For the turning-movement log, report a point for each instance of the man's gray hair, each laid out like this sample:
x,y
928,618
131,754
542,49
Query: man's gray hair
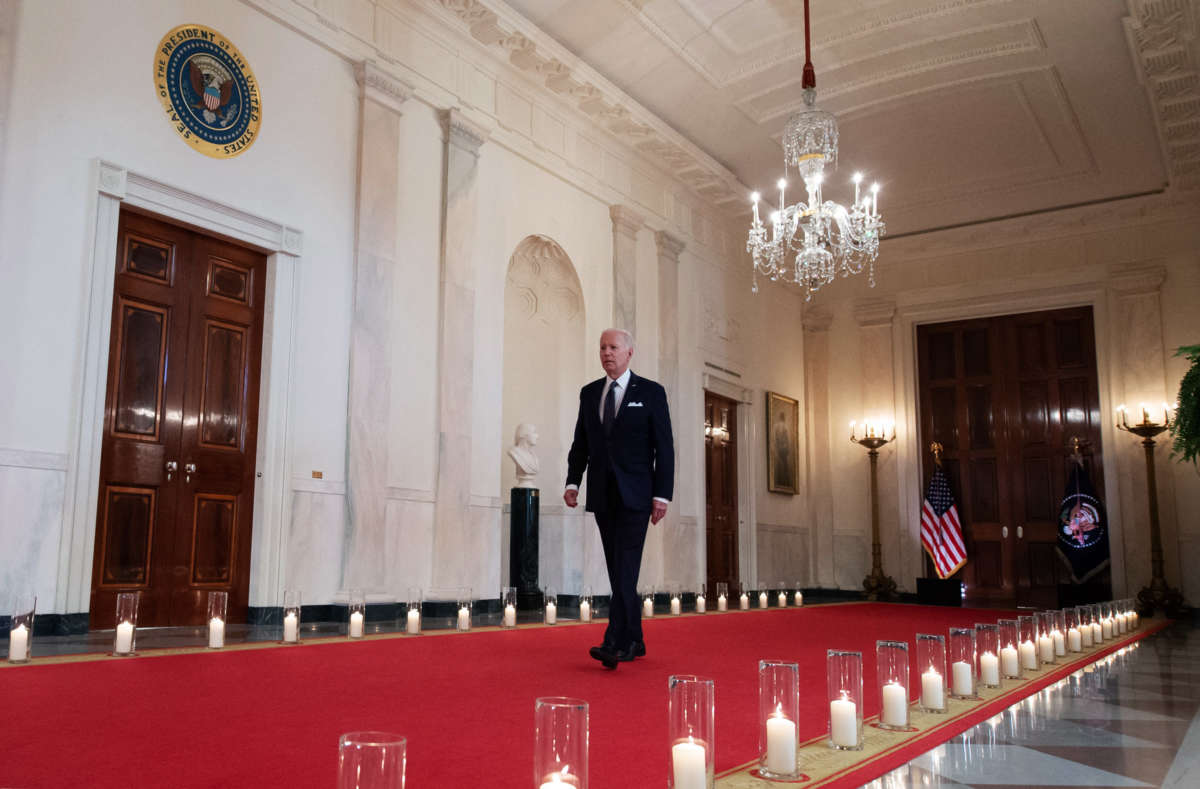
x,y
624,335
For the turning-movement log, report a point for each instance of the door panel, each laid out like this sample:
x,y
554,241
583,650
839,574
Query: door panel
x,y
182,392
721,510
1005,396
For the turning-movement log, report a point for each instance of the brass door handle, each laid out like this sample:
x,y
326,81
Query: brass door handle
x,y
189,469
1004,532
1020,533
172,467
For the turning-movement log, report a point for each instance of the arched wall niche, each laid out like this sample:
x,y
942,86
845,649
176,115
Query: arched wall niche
x,y
544,366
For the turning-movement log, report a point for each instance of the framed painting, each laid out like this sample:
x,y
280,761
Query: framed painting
x,y
783,443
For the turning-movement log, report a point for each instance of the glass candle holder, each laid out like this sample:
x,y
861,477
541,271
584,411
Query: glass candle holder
x,y
676,603
722,596
844,685
743,597
586,605
961,647
560,743
20,632
371,760
1122,619
1097,625
691,731
1071,625
798,595
508,606
1131,612
1045,640
125,639
1027,625
291,616
987,644
931,662
648,603
1106,620
701,599
412,612
357,613
1010,639
781,598
764,599
891,673
550,607
779,711
218,607
1058,632
1084,623
464,605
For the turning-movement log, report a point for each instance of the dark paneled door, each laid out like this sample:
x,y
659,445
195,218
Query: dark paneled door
x,y
720,485
1005,396
177,466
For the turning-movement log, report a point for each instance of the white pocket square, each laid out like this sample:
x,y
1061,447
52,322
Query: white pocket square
x,y
635,405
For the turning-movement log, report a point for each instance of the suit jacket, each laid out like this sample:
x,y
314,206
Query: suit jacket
x,y
639,453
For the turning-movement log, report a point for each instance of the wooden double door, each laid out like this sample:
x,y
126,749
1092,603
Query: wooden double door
x,y
1005,396
720,484
180,425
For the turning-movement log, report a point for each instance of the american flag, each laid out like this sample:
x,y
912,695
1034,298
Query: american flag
x,y
941,531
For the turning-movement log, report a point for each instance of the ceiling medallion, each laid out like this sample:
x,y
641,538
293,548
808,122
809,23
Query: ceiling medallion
x,y
826,238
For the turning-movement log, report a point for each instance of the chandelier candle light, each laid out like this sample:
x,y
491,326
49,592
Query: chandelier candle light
x,y
825,237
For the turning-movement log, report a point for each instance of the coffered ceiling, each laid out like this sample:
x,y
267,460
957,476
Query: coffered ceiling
x,y
964,110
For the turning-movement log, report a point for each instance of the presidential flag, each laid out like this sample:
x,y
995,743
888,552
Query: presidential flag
x,y
941,531
1082,527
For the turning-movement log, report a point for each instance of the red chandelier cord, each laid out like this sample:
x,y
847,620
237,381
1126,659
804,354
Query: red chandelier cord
x,y
810,75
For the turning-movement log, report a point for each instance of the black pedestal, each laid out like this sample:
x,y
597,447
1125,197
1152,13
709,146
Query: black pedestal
x,y
523,548
935,591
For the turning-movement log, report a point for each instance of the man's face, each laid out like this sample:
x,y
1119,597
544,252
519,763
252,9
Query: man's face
x,y
614,354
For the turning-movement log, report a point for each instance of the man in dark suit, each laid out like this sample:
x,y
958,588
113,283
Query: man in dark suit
x,y
623,439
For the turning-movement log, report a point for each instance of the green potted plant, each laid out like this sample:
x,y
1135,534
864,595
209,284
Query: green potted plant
x,y
1185,431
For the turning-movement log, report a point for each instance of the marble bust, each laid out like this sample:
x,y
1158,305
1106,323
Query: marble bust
x,y
523,455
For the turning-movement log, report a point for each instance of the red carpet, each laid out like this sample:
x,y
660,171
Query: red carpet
x,y
271,717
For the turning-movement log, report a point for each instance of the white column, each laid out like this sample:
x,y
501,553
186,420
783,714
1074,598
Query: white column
x,y
819,459
668,530
626,224
456,343
379,185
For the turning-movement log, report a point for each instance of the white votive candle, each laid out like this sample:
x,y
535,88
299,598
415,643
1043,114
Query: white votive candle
x,y
510,615
291,628
722,603
781,745
555,781
762,599
647,607
1046,649
216,633
1134,616
688,765
1122,623
799,598
895,705
701,606
676,606
1085,635
1060,643
1074,642
18,643
782,601
744,602
1028,655
551,613
414,621
932,690
1097,633
585,611
356,624
961,678
1009,661
1107,625
989,669
843,722
464,618
124,643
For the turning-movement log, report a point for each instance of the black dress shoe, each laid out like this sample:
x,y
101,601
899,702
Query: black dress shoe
x,y
606,655
625,655
639,649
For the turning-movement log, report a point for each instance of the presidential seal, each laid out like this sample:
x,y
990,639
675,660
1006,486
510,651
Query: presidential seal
x,y
208,91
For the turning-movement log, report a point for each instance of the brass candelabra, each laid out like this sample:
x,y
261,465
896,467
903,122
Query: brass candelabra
x,y
877,585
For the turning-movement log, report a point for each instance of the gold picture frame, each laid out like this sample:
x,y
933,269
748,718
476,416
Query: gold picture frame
x,y
783,444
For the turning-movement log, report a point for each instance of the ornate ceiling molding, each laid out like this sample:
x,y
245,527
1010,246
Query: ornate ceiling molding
x,y
669,246
380,86
1163,38
625,220
496,26
874,312
1137,279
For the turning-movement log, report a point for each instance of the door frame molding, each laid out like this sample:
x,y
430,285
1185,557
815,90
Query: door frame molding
x,y
951,304
747,437
112,187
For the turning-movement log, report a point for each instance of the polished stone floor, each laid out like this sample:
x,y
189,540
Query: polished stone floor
x,y
1132,719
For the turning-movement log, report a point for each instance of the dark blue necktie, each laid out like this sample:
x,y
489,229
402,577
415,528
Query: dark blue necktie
x,y
610,407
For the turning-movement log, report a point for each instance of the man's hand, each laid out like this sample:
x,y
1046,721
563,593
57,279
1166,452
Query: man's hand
x,y
571,497
659,511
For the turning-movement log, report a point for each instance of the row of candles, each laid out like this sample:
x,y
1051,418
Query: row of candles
x,y
124,637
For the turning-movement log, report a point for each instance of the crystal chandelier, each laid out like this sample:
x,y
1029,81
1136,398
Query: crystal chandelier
x,y
826,238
